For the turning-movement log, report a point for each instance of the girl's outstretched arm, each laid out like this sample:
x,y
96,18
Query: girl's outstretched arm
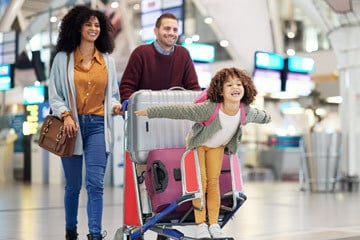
x,y
141,112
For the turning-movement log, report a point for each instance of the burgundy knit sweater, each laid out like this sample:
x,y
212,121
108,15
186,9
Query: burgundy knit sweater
x,y
148,69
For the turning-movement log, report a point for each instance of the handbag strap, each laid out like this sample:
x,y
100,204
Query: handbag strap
x,y
69,88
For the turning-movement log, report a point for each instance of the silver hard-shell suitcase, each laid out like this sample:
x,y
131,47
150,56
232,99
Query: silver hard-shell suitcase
x,y
146,134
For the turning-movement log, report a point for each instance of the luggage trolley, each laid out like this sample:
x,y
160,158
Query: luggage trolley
x,y
147,143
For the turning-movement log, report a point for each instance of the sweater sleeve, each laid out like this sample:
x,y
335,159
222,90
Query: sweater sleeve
x,y
58,87
193,112
257,116
131,77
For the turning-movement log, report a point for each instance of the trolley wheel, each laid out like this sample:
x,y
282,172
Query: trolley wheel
x,y
161,237
119,235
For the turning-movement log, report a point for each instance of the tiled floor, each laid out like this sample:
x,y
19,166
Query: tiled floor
x,y
274,210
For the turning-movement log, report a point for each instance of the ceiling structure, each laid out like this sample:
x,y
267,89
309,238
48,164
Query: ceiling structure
x,y
30,17
32,8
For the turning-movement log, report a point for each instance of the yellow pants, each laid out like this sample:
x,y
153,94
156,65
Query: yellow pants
x,y
210,161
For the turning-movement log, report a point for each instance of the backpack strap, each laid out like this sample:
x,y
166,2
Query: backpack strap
x,y
243,116
216,111
213,115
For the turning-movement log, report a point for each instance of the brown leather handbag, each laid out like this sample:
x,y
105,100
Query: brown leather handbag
x,y
52,136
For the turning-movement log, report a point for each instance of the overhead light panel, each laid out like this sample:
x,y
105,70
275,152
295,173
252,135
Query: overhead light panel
x,y
53,19
114,4
340,6
208,20
334,99
224,43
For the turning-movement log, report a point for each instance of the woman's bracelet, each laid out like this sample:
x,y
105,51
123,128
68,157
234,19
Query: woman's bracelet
x,y
65,114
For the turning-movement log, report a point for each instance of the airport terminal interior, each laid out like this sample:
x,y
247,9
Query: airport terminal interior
x,y
300,173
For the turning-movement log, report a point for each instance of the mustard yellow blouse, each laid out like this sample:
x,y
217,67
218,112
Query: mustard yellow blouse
x,y
90,84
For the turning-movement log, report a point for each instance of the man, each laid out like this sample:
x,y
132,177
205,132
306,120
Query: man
x,y
161,64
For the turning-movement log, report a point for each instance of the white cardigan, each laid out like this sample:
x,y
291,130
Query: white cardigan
x,y
59,98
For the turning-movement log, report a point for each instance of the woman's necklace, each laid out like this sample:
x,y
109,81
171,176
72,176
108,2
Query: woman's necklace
x,y
86,63
87,58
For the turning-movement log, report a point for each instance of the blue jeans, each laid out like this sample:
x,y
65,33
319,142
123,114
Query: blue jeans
x,y
92,131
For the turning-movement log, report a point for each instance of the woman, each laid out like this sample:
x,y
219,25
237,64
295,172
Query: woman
x,y
82,60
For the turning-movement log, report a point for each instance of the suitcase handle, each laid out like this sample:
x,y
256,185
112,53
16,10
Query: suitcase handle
x,y
177,88
160,176
124,105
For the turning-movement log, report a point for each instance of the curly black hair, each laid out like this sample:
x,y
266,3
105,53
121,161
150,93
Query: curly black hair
x,y
215,90
70,30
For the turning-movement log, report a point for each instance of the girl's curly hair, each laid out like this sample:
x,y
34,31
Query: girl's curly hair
x,y
215,90
70,30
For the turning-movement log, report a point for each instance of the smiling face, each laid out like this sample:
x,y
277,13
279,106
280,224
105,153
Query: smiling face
x,y
167,33
233,90
90,30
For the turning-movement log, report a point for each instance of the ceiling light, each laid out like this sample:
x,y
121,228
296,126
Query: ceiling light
x,y
224,43
290,34
188,40
195,38
335,99
114,4
53,19
320,112
283,95
136,6
208,20
290,52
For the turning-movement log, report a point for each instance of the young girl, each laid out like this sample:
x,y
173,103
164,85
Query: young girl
x,y
229,86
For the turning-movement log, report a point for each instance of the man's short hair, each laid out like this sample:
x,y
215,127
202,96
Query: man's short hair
x,y
163,16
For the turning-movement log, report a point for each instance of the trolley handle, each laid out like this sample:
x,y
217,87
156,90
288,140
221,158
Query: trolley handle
x,y
124,107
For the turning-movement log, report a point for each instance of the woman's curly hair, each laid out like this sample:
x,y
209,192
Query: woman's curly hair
x,y
70,30
215,90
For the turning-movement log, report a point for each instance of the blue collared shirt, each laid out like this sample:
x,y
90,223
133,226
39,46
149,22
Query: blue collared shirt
x,y
161,50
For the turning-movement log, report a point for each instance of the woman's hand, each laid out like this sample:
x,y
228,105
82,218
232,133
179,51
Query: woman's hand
x,y
140,112
70,126
117,110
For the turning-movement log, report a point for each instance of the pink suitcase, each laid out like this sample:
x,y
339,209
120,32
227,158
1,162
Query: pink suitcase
x,y
163,179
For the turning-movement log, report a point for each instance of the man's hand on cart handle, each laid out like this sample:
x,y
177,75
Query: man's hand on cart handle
x,y
124,106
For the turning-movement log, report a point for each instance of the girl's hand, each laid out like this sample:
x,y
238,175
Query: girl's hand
x,y
140,112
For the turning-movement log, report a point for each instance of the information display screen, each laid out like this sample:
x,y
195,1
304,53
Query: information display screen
x,y
268,60
6,77
299,83
34,94
267,81
8,47
300,64
201,52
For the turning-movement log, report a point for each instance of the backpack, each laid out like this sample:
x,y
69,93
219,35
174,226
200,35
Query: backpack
x,y
203,97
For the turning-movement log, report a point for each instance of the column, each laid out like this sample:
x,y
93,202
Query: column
x,y
346,45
